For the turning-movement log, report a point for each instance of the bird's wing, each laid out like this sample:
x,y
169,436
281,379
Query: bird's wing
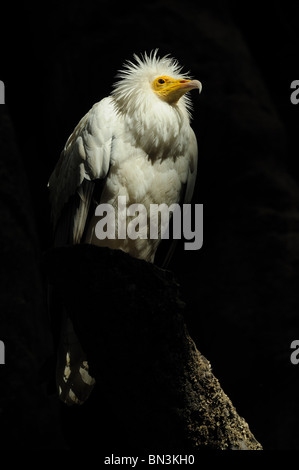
x,y
188,189
192,174
85,158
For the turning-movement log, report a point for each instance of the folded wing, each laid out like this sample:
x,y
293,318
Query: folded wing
x,y
85,159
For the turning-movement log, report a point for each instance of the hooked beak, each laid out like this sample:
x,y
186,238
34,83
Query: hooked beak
x,y
177,88
191,85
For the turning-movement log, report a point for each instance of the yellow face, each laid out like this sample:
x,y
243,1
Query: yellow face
x,y
171,89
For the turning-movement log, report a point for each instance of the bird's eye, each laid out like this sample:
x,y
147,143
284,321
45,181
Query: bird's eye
x,y
161,80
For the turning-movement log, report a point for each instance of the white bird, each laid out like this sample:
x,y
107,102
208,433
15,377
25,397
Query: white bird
x,y
136,143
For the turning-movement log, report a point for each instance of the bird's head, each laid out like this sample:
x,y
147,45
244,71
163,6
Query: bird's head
x,y
151,96
151,80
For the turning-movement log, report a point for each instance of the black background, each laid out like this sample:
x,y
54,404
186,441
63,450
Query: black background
x,y
57,60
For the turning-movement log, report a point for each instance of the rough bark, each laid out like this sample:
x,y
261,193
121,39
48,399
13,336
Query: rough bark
x,y
154,390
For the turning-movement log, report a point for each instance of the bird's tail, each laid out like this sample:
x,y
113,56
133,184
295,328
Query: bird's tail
x,y
73,380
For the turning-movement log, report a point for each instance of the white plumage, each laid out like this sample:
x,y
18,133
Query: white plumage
x,y
136,143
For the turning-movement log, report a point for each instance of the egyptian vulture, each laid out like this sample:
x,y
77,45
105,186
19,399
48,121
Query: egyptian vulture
x,y
136,143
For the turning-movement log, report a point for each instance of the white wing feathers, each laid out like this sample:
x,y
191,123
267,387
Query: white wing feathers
x,y
187,194
85,157
193,151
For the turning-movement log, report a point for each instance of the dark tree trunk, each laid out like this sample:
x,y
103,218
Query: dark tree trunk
x,y
154,391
